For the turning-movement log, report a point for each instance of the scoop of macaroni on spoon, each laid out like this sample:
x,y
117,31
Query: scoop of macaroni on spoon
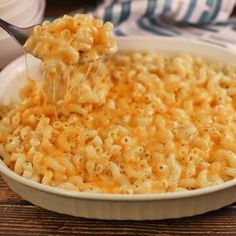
x,y
80,39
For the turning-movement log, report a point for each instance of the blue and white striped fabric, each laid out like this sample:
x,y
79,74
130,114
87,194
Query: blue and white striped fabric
x,y
206,20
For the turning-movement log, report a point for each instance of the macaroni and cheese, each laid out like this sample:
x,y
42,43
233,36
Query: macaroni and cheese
x,y
70,40
142,123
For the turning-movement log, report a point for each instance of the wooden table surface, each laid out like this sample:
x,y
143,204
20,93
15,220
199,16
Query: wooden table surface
x,y
19,217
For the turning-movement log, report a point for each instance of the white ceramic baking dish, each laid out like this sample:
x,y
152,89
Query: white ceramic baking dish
x,y
117,206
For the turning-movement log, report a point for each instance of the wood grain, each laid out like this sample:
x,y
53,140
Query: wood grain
x,y
55,8
19,217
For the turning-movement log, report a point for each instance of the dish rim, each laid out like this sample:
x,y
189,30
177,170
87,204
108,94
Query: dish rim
x,y
7,172
110,196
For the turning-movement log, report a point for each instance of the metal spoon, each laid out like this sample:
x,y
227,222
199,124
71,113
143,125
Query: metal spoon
x,y
19,34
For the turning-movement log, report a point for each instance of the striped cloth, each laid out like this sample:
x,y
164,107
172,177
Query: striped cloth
x,y
205,20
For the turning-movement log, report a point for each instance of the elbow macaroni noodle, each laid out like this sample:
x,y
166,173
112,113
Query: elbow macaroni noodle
x,y
143,123
70,40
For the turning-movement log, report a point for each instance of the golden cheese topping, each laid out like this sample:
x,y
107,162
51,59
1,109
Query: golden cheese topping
x,y
143,123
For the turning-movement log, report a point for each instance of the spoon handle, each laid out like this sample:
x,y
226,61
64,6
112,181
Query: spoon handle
x,y
19,34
